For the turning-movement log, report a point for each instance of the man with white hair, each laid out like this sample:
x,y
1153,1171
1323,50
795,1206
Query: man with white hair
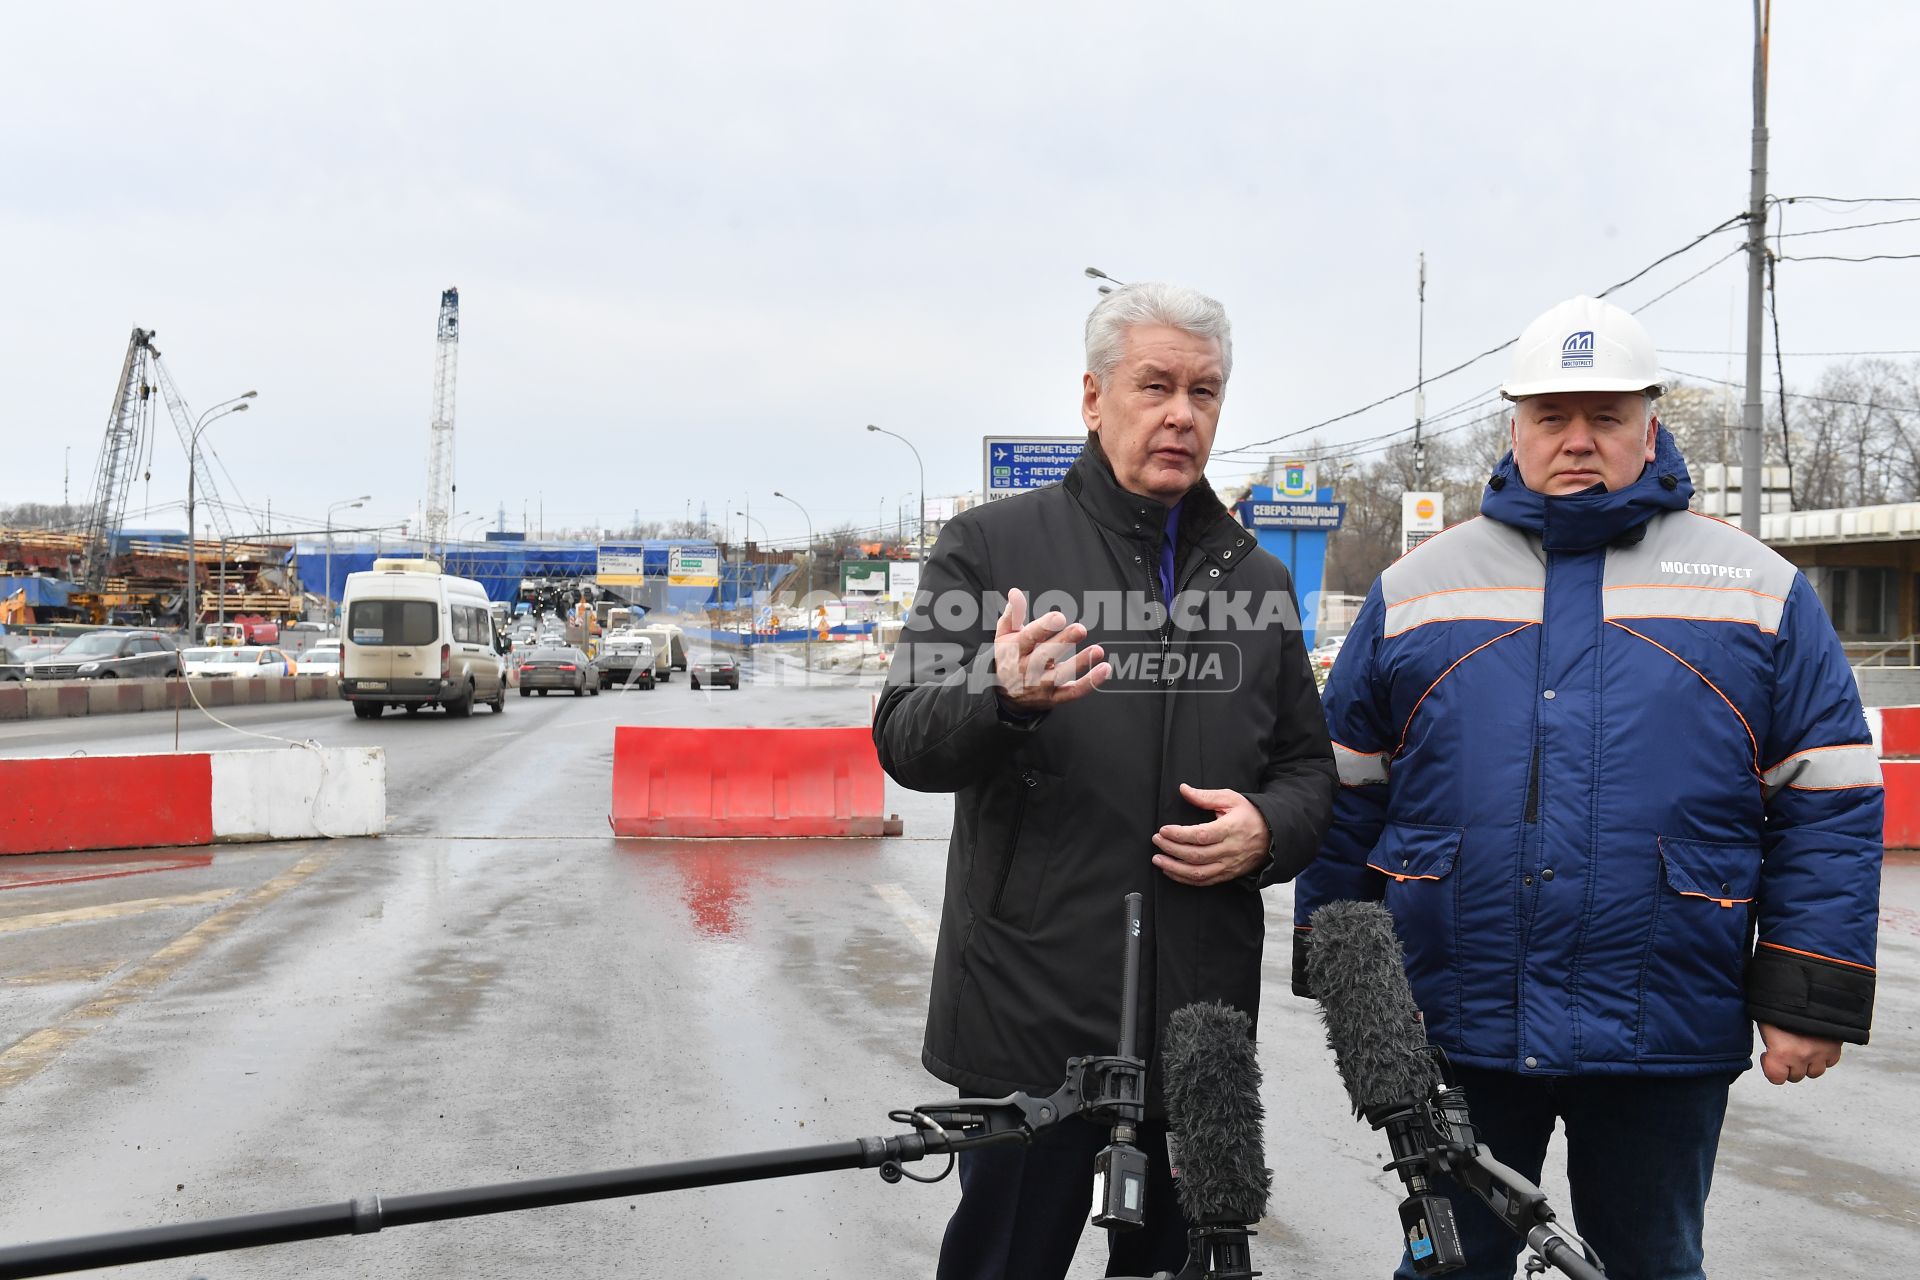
x,y
1604,761
1109,674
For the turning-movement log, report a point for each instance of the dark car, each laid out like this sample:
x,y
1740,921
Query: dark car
x,y
558,667
110,655
714,669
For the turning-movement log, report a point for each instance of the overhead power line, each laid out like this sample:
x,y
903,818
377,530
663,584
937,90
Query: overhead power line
x,y
1791,355
1735,220
1835,257
1801,395
1851,226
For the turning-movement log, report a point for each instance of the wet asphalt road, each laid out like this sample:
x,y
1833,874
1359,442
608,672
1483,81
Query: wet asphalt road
x,y
498,990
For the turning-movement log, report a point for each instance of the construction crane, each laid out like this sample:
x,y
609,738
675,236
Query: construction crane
x,y
201,459
439,503
119,457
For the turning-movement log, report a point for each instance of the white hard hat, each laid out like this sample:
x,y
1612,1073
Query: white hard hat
x,y
1583,344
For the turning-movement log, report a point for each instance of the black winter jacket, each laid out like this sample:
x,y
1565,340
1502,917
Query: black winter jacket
x,y
1054,817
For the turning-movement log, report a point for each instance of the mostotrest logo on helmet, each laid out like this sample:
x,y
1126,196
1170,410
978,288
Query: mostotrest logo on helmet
x,y
1577,351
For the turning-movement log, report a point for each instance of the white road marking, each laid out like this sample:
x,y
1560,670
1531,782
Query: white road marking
x,y
924,928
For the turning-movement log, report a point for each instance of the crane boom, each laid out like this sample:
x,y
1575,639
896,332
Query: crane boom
x,y
198,459
119,456
439,504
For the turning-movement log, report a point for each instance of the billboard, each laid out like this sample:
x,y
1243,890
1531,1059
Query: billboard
x,y
1422,515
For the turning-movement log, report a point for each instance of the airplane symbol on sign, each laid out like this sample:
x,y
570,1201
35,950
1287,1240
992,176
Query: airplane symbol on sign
x,y
1000,454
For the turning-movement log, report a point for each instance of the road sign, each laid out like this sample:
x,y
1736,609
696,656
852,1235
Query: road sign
x,y
1422,514
621,564
693,567
1291,515
1015,464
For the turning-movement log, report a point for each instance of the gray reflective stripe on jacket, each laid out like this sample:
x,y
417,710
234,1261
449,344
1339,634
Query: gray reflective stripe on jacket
x,y
1359,768
1702,569
1823,769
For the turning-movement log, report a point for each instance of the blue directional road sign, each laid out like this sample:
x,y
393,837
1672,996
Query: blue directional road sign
x,y
1015,464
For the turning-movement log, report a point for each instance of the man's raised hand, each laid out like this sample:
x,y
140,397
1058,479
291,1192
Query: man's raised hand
x,y
1035,662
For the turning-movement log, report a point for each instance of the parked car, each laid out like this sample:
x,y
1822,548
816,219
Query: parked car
x,y
626,659
714,669
417,637
244,663
109,655
551,667
17,651
1327,651
322,658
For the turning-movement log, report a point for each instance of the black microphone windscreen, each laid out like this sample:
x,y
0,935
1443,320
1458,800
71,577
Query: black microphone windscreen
x,y
1358,974
1215,1113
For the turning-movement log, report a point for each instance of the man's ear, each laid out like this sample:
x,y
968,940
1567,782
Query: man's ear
x,y
1090,401
1653,433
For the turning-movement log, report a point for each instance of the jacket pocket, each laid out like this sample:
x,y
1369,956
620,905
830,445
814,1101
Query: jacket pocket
x,y
1423,895
1018,844
1693,976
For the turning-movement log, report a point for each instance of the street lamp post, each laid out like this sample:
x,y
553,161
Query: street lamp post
x,y
207,419
747,537
921,540
805,619
333,615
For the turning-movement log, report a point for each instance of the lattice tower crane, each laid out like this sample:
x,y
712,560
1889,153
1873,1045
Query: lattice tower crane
x,y
119,458
439,503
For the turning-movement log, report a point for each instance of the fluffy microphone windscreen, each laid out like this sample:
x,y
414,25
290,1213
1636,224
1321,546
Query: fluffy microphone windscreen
x,y
1359,976
1214,1111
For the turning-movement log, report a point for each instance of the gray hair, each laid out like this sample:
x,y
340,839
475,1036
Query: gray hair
x,y
1173,305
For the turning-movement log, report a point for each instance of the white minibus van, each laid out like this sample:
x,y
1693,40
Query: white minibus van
x,y
415,637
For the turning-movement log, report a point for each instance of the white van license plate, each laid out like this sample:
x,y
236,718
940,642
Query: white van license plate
x,y
373,684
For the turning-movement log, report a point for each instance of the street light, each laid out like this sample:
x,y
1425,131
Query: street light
x,y
805,620
921,548
333,613
207,419
1095,273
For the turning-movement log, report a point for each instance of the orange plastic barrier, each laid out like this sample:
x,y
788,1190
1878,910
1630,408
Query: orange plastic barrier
x,y
747,782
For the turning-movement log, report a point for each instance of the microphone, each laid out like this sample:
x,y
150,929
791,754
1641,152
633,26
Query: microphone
x,y
1379,1043
1358,973
1398,1082
1214,1140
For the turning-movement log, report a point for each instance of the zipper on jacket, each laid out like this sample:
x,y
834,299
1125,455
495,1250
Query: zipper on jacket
x,y
1533,785
1013,839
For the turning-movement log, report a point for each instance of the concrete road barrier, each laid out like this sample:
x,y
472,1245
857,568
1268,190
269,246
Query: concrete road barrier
x,y
65,804
53,699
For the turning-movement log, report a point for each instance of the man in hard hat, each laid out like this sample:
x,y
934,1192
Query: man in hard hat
x,y
1604,760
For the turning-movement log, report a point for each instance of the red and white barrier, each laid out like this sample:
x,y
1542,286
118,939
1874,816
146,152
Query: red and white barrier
x,y
68,803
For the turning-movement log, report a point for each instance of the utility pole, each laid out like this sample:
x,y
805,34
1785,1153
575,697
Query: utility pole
x,y
1750,429
1420,386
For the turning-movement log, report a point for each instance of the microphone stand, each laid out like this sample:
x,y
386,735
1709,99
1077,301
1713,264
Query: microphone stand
x,y
1436,1133
1108,1089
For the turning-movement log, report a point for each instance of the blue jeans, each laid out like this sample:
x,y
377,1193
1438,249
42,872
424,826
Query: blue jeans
x,y
1640,1153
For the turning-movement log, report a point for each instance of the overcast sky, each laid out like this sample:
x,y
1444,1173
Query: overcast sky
x,y
699,247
